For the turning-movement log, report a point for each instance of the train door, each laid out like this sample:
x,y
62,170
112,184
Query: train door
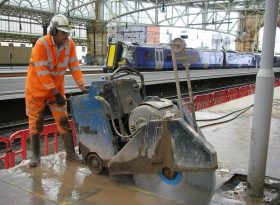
x,y
159,59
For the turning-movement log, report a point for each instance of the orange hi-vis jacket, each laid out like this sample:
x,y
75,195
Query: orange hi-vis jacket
x,y
48,66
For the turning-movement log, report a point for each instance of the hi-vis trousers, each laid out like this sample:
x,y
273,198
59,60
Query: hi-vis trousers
x,y
35,112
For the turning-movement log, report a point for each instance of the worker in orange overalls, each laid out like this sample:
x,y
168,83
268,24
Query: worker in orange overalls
x,y
50,57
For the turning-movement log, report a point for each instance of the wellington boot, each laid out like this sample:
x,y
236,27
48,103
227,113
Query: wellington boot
x,y
69,148
35,145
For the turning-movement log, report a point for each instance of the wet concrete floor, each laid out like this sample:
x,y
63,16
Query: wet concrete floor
x,y
231,140
58,182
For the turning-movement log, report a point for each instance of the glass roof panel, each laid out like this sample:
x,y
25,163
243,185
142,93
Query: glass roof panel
x,y
34,4
85,8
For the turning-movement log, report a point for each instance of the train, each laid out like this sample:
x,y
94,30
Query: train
x,y
158,57
19,55
14,55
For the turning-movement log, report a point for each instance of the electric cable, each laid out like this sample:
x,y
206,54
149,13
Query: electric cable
x,y
101,99
218,118
275,103
217,123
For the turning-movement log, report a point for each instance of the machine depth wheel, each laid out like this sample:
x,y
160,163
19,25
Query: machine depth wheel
x,y
95,163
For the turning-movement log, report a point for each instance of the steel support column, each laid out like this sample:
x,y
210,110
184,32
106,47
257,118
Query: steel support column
x,y
263,104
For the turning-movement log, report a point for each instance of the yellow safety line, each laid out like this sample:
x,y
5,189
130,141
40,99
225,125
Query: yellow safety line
x,y
31,192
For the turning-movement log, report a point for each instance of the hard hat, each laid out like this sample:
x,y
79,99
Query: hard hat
x,y
61,23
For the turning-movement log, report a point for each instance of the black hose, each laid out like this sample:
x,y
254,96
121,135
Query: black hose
x,y
217,123
203,120
274,104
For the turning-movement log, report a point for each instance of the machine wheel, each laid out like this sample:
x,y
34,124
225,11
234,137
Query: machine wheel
x,y
184,187
95,163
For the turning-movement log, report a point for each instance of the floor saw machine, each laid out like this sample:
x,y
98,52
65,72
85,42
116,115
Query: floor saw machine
x,y
153,139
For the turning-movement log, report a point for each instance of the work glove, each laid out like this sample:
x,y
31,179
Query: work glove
x,y
59,99
85,91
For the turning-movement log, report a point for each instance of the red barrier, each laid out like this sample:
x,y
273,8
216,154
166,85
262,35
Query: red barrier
x,y
277,82
48,130
220,97
203,101
233,93
244,90
23,135
6,156
51,129
252,88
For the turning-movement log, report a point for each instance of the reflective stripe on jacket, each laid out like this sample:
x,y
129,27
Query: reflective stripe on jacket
x,y
48,66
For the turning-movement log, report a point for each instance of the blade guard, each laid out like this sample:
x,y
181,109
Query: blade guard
x,y
159,144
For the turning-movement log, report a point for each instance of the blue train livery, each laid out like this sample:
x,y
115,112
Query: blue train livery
x,y
158,57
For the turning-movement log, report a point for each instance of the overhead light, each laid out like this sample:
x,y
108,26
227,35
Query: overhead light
x,y
163,8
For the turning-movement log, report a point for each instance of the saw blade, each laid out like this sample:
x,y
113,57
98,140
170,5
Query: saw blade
x,y
186,187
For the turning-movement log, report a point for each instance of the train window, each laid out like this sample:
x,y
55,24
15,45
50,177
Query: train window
x,y
157,57
148,56
168,57
161,56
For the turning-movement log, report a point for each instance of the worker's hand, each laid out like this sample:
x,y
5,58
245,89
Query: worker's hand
x,y
59,99
85,91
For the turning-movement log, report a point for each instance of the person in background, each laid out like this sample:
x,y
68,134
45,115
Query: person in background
x,y
50,57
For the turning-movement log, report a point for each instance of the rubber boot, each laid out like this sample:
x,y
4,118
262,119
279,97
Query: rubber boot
x,y
35,145
69,148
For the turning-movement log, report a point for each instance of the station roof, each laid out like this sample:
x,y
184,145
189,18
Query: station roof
x,y
212,15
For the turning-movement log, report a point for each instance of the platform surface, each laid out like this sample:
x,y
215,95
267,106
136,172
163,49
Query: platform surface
x,y
58,182
231,141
